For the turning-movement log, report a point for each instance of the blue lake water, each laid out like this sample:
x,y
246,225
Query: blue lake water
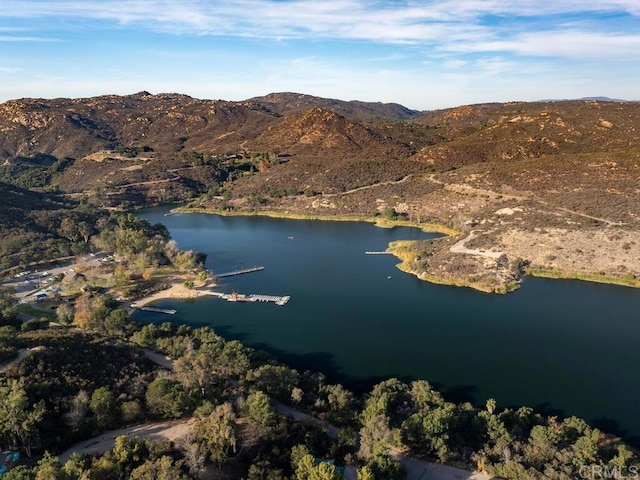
x,y
556,345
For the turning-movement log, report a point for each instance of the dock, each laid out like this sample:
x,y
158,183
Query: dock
x,y
240,297
238,272
155,310
378,253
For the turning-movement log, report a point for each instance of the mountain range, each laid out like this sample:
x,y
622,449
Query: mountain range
x,y
562,166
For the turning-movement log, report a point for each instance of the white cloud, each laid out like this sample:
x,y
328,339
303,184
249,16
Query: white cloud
x,y
405,21
15,38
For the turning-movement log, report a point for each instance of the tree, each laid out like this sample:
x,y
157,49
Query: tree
x,y
78,408
383,466
18,418
160,469
82,315
365,473
391,398
8,301
340,403
217,433
167,398
306,468
259,412
131,411
276,380
117,322
195,370
375,437
48,468
491,405
76,467
65,313
85,230
390,213
194,453
103,404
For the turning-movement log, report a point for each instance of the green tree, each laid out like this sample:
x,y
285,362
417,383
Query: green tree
x,y
196,371
259,413
365,473
160,469
217,433
375,437
103,405
131,411
276,380
8,302
167,398
491,405
76,467
19,419
117,322
48,468
383,466
308,469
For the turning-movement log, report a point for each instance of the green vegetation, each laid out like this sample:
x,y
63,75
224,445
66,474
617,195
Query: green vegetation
x,y
628,280
80,384
37,227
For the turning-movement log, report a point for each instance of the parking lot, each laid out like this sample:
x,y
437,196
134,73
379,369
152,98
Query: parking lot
x,y
32,285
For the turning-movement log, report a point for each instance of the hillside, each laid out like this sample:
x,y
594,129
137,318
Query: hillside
x,y
288,103
552,185
34,226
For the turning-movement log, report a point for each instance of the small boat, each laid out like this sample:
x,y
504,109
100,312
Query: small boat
x,y
290,238
389,277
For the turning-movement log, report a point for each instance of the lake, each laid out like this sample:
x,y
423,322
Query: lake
x,y
556,345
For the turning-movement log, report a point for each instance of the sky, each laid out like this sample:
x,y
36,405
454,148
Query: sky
x,y
424,54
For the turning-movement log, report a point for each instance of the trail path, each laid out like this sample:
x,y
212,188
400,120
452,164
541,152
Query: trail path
x,y
22,354
366,187
459,247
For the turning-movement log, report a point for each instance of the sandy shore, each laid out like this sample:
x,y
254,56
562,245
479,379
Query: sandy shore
x,y
176,290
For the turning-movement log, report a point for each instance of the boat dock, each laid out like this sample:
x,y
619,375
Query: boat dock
x,y
240,297
378,253
155,310
238,272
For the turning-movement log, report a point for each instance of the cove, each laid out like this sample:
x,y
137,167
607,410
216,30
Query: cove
x,y
556,345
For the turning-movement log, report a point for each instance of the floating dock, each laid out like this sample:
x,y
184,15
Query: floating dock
x,y
240,297
378,253
238,272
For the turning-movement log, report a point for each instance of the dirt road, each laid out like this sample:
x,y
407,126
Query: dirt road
x,y
167,430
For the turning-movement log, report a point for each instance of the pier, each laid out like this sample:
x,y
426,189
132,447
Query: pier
x,y
378,253
238,272
155,310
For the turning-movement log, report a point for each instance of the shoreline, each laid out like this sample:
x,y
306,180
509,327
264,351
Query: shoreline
x,y
377,221
427,228
176,291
